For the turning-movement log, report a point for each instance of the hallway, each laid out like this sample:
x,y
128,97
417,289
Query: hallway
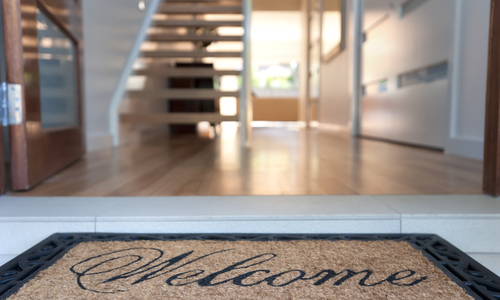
x,y
282,161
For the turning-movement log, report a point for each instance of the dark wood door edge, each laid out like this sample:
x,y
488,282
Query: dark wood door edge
x,y
2,163
491,169
15,74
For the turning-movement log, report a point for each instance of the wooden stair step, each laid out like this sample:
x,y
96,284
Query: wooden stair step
x,y
197,23
182,94
199,9
176,118
194,38
189,54
185,72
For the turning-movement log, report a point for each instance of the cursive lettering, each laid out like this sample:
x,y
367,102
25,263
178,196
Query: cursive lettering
x,y
112,272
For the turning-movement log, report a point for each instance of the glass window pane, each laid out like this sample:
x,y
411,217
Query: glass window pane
x,y
58,75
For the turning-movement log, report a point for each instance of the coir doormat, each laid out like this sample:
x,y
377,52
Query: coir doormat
x,y
249,267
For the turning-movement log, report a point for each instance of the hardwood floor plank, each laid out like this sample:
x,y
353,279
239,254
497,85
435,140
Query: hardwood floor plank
x,y
281,162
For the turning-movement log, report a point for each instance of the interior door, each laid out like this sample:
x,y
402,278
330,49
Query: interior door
x,y
43,49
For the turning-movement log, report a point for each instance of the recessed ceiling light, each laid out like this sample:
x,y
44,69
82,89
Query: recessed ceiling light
x,y
142,5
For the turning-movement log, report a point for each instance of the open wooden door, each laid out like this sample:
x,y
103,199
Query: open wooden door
x,y
43,49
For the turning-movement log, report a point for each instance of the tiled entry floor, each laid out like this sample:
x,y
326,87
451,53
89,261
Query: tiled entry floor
x,y
470,222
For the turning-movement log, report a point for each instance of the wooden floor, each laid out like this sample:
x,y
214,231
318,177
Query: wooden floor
x,y
281,162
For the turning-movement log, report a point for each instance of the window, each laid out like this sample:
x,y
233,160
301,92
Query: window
x,y
424,75
333,29
375,87
276,50
275,80
409,6
58,75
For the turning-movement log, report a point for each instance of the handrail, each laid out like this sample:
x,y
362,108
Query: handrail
x,y
114,114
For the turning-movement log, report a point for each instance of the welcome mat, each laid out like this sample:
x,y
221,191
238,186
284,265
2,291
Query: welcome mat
x,y
89,266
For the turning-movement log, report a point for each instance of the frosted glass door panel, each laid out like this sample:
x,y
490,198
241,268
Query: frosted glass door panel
x,y
58,75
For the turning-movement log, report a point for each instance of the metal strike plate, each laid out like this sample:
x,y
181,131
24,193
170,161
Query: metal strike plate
x,y
15,103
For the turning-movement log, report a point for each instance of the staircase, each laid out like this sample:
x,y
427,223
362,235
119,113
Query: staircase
x,y
189,31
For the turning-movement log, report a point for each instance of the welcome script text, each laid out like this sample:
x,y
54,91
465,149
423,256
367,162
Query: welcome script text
x,y
128,267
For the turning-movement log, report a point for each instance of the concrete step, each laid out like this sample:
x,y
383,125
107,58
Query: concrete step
x,y
470,222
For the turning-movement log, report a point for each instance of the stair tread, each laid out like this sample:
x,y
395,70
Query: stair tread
x,y
194,38
197,23
192,54
185,72
182,94
175,118
200,9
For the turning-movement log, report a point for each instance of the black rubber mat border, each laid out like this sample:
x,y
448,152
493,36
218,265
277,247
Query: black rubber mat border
x,y
478,281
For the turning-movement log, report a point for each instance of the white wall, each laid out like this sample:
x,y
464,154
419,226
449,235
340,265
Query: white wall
x,y
469,92
335,94
416,114
335,97
276,36
111,28
421,38
452,110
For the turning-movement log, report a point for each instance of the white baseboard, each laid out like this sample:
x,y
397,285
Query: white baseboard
x,y
99,141
465,147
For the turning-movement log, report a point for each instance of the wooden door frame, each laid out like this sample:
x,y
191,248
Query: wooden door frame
x,y
3,171
491,161
2,163
14,72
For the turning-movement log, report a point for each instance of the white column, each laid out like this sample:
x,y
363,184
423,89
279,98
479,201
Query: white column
x,y
456,66
358,10
304,64
246,104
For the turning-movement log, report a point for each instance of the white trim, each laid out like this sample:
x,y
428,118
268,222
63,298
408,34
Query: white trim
x,y
99,141
114,114
466,147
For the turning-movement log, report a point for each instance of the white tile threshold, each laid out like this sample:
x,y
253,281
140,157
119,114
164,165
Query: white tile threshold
x,y
470,222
